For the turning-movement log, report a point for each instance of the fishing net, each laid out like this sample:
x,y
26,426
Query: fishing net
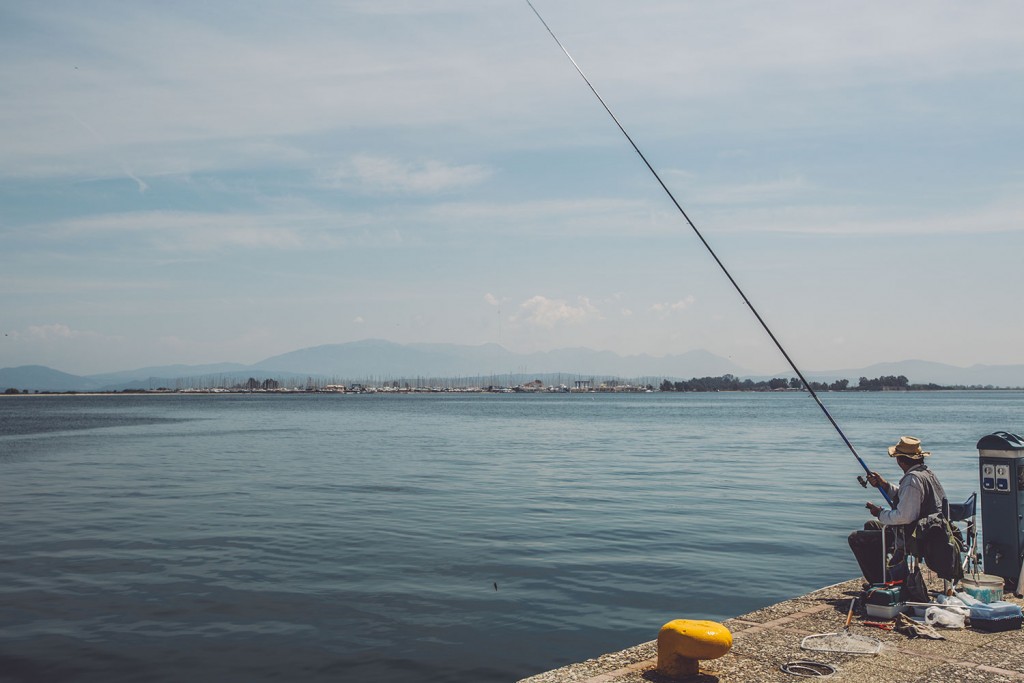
x,y
843,642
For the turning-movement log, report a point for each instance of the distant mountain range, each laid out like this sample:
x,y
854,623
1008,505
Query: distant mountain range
x,y
379,360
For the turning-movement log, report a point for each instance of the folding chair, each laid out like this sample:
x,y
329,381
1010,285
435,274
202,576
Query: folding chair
x,y
966,512
902,566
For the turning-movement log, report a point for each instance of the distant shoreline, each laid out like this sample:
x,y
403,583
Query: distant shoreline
x,y
473,391
723,383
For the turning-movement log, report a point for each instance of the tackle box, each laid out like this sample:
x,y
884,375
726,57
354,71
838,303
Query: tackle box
x,y
884,611
884,601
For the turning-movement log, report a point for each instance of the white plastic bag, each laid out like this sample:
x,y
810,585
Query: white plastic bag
x,y
967,599
937,616
949,600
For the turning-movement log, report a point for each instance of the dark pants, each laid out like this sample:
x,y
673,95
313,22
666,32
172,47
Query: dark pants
x,y
867,548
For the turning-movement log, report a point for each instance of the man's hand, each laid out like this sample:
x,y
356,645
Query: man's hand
x,y
876,479
873,509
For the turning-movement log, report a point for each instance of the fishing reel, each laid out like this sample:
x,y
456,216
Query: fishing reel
x,y
862,480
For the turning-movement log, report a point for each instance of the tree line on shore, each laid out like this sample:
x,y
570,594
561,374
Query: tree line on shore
x,y
733,383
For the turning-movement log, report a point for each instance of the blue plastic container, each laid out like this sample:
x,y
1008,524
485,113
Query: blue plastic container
x,y
996,616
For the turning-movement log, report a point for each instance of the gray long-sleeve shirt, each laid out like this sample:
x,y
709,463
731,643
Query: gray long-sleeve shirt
x,y
911,504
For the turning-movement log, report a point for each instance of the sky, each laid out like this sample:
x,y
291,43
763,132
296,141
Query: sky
x,y
198,182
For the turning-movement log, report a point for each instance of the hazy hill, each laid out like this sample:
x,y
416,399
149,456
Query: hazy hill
x,y
377,358
166,371
374,357
42,378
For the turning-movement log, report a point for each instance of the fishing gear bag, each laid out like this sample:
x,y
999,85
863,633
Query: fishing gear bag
x,y
941,545
914,588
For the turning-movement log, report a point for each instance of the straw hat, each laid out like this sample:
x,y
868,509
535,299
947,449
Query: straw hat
x,y
908,447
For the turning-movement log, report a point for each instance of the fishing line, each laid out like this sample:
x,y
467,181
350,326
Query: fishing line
x,y
711,251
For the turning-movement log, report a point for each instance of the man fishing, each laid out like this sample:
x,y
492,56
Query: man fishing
x,y
919,495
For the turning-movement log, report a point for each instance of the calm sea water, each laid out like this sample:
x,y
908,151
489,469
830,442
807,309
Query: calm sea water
x,y
338,538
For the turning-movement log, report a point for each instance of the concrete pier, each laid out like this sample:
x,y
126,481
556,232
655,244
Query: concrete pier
x,y
766,639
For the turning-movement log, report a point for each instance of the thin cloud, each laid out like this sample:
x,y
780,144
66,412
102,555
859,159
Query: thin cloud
x,y
998,217
543,312
767,191
47,332
583,217
384,175
667,309
124,167
342,67
138,181
56,332
61,284
186,231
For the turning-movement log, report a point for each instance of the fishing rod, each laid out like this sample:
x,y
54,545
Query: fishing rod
x,y
803,380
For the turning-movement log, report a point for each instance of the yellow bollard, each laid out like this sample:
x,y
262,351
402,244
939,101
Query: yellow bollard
x,y
683,642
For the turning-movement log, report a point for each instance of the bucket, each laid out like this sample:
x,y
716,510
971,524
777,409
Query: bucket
x,y
984,587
